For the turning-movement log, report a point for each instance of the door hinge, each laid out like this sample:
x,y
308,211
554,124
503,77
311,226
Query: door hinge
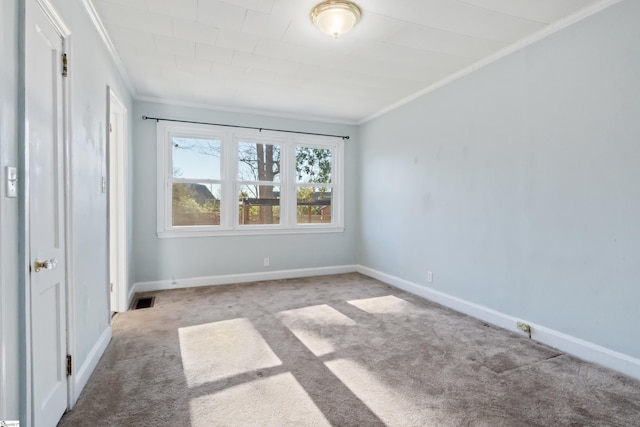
x,y
110,128
65,65
69,365
110,287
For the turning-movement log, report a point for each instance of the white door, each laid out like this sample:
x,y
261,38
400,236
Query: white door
x,y
117,203
113,212
45,216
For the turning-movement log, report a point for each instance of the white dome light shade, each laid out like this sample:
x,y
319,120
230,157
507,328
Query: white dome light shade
x,y
335,18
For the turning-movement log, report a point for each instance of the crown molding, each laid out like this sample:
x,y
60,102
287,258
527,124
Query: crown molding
x,y
258,112
508,50
104,35
57,21
512,48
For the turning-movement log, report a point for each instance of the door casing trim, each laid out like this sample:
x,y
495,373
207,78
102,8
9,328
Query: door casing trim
x,y
115,104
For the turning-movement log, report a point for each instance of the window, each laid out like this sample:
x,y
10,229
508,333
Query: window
x,y
258,182
196,181
225,181
314,189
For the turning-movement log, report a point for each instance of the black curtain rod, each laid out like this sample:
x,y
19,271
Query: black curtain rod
x,y
157,119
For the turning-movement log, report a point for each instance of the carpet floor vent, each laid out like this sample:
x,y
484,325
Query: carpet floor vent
x,y
144,302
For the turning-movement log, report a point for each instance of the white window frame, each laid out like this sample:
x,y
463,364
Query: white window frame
x,y
229,208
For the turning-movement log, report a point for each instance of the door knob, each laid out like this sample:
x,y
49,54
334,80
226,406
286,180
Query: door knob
x,y
46,265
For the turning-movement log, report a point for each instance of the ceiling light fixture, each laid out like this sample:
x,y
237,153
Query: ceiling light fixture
x,y
335,17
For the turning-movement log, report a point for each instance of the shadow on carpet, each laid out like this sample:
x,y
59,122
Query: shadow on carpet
x,y
343,350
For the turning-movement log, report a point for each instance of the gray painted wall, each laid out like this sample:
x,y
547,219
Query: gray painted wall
x,y
519,184
178,258
90,73
9,298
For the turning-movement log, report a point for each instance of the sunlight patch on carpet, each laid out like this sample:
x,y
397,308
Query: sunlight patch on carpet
x,y
383,305
395,407
218,350
316,327
275,401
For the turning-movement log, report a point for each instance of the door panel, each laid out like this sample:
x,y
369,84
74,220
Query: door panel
x,y
117,204
114,280
44,127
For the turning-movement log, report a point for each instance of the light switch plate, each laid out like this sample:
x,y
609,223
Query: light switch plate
x,y
11,177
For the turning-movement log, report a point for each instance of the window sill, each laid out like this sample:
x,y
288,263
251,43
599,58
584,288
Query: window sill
x,y
253,231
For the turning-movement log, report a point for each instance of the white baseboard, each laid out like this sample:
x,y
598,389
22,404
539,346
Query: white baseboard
x,y
81,376
228,279
583,349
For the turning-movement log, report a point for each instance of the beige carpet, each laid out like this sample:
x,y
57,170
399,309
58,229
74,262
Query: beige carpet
x,y
341,350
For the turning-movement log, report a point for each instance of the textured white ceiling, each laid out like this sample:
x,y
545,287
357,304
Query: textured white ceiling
x,y
266,55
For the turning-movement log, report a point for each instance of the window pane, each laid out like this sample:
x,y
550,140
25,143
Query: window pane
x,y
314,205
259,204
196,158
258,162
196,204
313,165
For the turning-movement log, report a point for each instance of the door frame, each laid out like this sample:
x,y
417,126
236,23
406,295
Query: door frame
x,y
117,199
3,369
26,393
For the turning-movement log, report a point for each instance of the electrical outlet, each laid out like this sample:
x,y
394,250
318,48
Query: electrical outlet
x,y
429,276
266,262
524,327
